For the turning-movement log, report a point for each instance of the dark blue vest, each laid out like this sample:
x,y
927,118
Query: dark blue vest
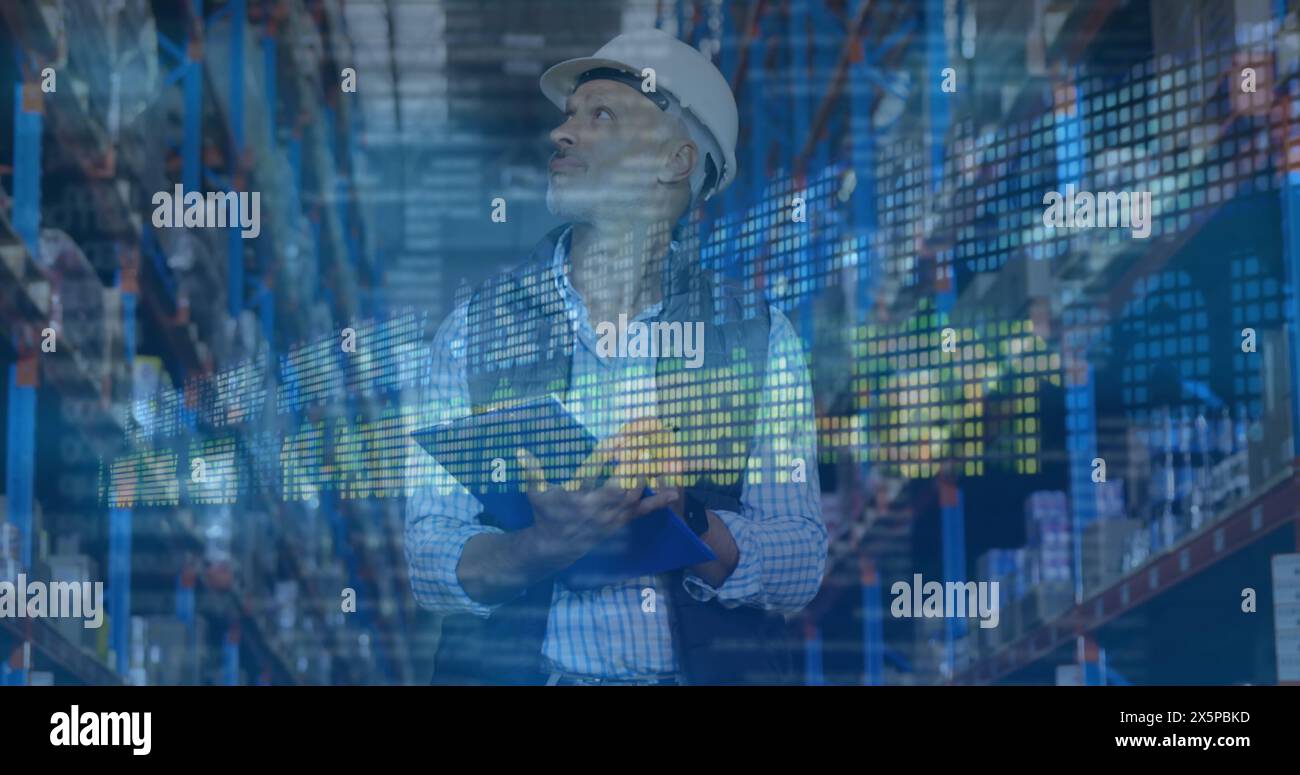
x,y
519,344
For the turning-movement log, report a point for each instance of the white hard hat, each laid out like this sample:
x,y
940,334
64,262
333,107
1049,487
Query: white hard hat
x,y
680,70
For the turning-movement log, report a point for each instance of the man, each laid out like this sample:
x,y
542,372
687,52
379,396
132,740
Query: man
x,y
725,438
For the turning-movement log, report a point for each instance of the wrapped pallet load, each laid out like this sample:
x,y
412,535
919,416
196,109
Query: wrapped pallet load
x,y
83,313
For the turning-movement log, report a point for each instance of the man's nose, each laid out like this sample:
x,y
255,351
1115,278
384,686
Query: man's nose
x,y
562,136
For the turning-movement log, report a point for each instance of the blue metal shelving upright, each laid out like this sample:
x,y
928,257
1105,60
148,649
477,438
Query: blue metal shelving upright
x,y
20,471
873,624
862,215
952,508
20,450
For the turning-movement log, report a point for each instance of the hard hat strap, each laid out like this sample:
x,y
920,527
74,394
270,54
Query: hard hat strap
x,y
712,167
706,175
624,77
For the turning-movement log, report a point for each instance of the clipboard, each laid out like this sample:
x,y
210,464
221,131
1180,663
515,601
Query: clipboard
x,y
479,452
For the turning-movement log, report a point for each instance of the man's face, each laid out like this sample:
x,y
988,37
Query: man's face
x,y
609,153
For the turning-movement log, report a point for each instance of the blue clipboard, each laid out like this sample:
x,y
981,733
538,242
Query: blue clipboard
x,y
479,452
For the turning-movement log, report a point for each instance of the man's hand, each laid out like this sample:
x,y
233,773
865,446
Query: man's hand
x,y
668,472
570,519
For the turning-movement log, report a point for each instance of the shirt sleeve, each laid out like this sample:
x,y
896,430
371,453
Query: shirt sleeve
x,y
440,514
779,532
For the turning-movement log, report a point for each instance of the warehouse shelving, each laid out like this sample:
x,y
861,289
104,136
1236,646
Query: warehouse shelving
x,y
1272,509
885,50
301,72
66,370
229,606
765,49
51,646
69,376
317,146
1084,21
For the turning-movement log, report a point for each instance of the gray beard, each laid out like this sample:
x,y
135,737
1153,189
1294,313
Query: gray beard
x,y
572,203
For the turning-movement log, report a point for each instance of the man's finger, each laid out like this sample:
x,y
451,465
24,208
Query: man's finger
x,y
610,451
626,476
659,500
533,477
646,434
589,472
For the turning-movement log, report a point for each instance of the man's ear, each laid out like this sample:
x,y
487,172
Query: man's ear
x,y
679,161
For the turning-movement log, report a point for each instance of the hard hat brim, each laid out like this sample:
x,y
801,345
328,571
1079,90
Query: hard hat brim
x,y
557,82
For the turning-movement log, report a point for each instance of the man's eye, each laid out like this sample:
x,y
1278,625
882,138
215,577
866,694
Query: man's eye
x,y
602,113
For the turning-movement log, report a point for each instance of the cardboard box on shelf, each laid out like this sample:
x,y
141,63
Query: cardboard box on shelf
x,y
1027,610
138,673
321,665
929,646
1286,579
979,645
1069,675
925,660
78,569
10,548
1270,446
1053,598
1286,618
77,304
286,599
1227,483
1288,667
149,381
170,658
834,505
1009,619
963,650
997,564
1044,603
40,539
1048,531
1104,543
1111,503
1015,570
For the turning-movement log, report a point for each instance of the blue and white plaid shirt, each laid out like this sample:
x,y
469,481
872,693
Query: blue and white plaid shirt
x,y
605,632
